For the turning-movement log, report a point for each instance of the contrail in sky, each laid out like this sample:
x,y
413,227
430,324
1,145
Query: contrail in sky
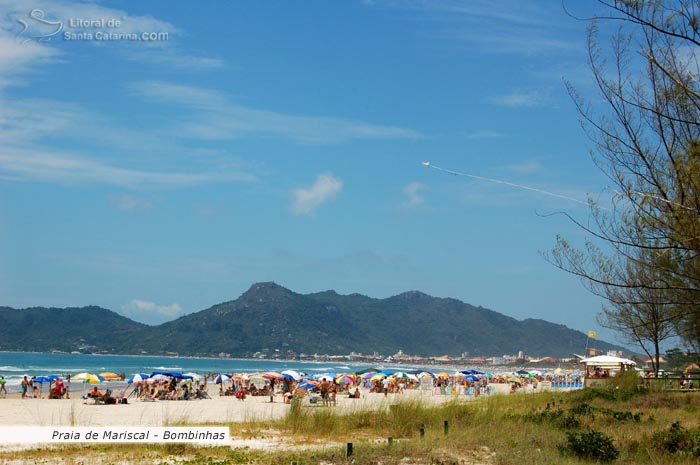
x,y
498,181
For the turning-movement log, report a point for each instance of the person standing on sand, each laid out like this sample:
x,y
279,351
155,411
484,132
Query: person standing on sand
x,y
24,385
2,386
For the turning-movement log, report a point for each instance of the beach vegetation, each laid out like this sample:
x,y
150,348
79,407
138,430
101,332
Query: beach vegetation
x,y
585,426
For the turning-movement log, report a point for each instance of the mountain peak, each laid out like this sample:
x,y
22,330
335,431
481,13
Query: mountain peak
x,y
267,286
414,295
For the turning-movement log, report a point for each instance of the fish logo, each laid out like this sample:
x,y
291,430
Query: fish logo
x,y
38,27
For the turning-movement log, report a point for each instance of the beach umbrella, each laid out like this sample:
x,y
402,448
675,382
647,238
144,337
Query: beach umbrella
x,y
426,374
306,385
272,374
193,376
366,370
291,374
400,375
222,378
378,377
258,379
369,374
344,379
109,376
442,374
327,377
472,378
472,372
242,376
44,379
138,377
160,377
521,372
88,378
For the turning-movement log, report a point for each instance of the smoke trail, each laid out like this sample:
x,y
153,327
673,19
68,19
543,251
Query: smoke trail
x,y
498,181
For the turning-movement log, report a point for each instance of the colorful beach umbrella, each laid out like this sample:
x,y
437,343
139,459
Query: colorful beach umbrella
x,y
344,379
259,379
109,376
88,378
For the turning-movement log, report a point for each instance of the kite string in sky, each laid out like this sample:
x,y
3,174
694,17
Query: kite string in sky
x,y
498,181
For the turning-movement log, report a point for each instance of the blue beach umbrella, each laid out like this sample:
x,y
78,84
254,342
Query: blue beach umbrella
x,y
141,377
222,378
305,385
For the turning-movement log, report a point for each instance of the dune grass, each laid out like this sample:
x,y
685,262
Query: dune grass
x,y
640,426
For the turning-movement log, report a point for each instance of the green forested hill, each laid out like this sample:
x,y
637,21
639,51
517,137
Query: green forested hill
x,y
66,329
269,318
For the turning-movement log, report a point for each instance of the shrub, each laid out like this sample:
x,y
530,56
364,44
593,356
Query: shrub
x,y
592,445
679,439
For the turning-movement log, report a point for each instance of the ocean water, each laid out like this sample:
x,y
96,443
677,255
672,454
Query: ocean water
x,y
14,365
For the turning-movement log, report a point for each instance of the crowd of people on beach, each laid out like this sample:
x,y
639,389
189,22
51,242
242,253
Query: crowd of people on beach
x,y
322,389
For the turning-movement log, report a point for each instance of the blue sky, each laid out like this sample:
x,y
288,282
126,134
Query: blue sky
x,y
283,141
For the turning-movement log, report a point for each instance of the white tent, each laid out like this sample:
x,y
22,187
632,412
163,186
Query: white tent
x,y
607,361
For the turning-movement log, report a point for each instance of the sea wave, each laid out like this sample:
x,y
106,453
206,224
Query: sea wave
x,y
322,369
11,368
42,369
167,368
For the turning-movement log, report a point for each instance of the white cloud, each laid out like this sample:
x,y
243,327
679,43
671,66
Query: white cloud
x,y
412,191
526,167
477,135
520,99
515,26
131,202
20,51
175,59
43,165
150,312
17,59
215,118
306,200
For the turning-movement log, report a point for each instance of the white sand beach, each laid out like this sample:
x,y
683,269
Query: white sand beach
x,y
217,410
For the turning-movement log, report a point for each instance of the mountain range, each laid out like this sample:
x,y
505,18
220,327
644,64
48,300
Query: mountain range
x,y
269,319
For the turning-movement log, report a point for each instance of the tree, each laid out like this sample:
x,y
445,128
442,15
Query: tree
x,y
644,251
638,312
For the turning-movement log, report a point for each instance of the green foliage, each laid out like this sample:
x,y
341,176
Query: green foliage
x,y
592,445
678,439
571,418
